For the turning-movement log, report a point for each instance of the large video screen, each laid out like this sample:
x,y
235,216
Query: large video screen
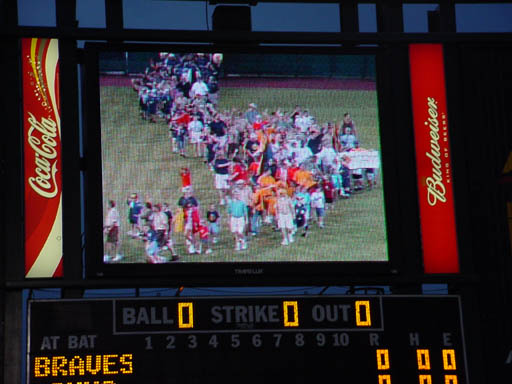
x,y
232,161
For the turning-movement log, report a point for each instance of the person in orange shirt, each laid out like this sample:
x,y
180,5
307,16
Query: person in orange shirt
x,y
266,183
270,208
304,178
270,131
266,179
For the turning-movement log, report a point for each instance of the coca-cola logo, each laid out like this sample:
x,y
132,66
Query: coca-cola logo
x,y
42,138
436,190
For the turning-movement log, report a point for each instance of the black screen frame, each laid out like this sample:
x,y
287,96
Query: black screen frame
x,y
398,168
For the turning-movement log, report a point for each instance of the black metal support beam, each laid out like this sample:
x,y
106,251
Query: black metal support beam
x,y
66,13
70,123
114,15
12,345
154,35
442,19
8,13
11,227
390,17
349,16
234,18
447,16
68,64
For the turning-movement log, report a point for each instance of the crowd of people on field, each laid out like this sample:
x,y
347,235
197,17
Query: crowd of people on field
x,y
279,168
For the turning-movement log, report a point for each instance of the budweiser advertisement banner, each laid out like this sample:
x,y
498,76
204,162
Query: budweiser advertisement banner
x,y
42,158
434,172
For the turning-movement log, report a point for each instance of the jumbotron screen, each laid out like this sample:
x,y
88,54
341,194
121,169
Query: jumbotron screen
x,y
237,160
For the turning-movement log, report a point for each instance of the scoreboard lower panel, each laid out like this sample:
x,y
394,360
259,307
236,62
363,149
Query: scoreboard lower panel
x,y
383,339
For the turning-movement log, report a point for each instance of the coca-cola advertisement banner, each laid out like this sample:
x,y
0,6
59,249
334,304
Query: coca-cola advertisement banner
x,y
434,171
42,158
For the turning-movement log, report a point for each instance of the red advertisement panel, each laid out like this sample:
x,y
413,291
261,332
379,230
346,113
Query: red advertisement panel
x,y
42,158
434,172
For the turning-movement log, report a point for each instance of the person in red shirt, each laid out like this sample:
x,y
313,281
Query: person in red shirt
x,y
292,170
258,124
204,238
180,125
239,171
183,118
252,172
185,177
329,191
190,207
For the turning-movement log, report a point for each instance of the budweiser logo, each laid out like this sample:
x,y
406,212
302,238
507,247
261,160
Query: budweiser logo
x,y
436,189
42,139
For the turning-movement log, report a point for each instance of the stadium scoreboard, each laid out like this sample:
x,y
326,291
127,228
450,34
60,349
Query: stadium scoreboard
x,y
382,339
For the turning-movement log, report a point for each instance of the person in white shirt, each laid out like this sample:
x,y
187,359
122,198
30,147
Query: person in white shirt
x,y
195,131
285,216
111,229
158,239
303,121
199,88
303,154
327,157
318,204
160,224
291,147
348,140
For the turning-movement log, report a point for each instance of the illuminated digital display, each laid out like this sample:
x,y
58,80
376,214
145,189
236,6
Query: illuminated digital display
x,y
370,339
254,162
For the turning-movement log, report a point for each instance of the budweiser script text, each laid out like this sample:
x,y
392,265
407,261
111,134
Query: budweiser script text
x,y
436,190
42,139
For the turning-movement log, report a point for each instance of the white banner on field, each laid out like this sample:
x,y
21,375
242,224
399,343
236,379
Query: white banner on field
x,y
362,159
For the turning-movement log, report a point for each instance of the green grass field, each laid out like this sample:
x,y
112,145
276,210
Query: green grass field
x,y
137,157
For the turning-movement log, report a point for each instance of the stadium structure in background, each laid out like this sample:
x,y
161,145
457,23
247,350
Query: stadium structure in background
x,y
477,75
